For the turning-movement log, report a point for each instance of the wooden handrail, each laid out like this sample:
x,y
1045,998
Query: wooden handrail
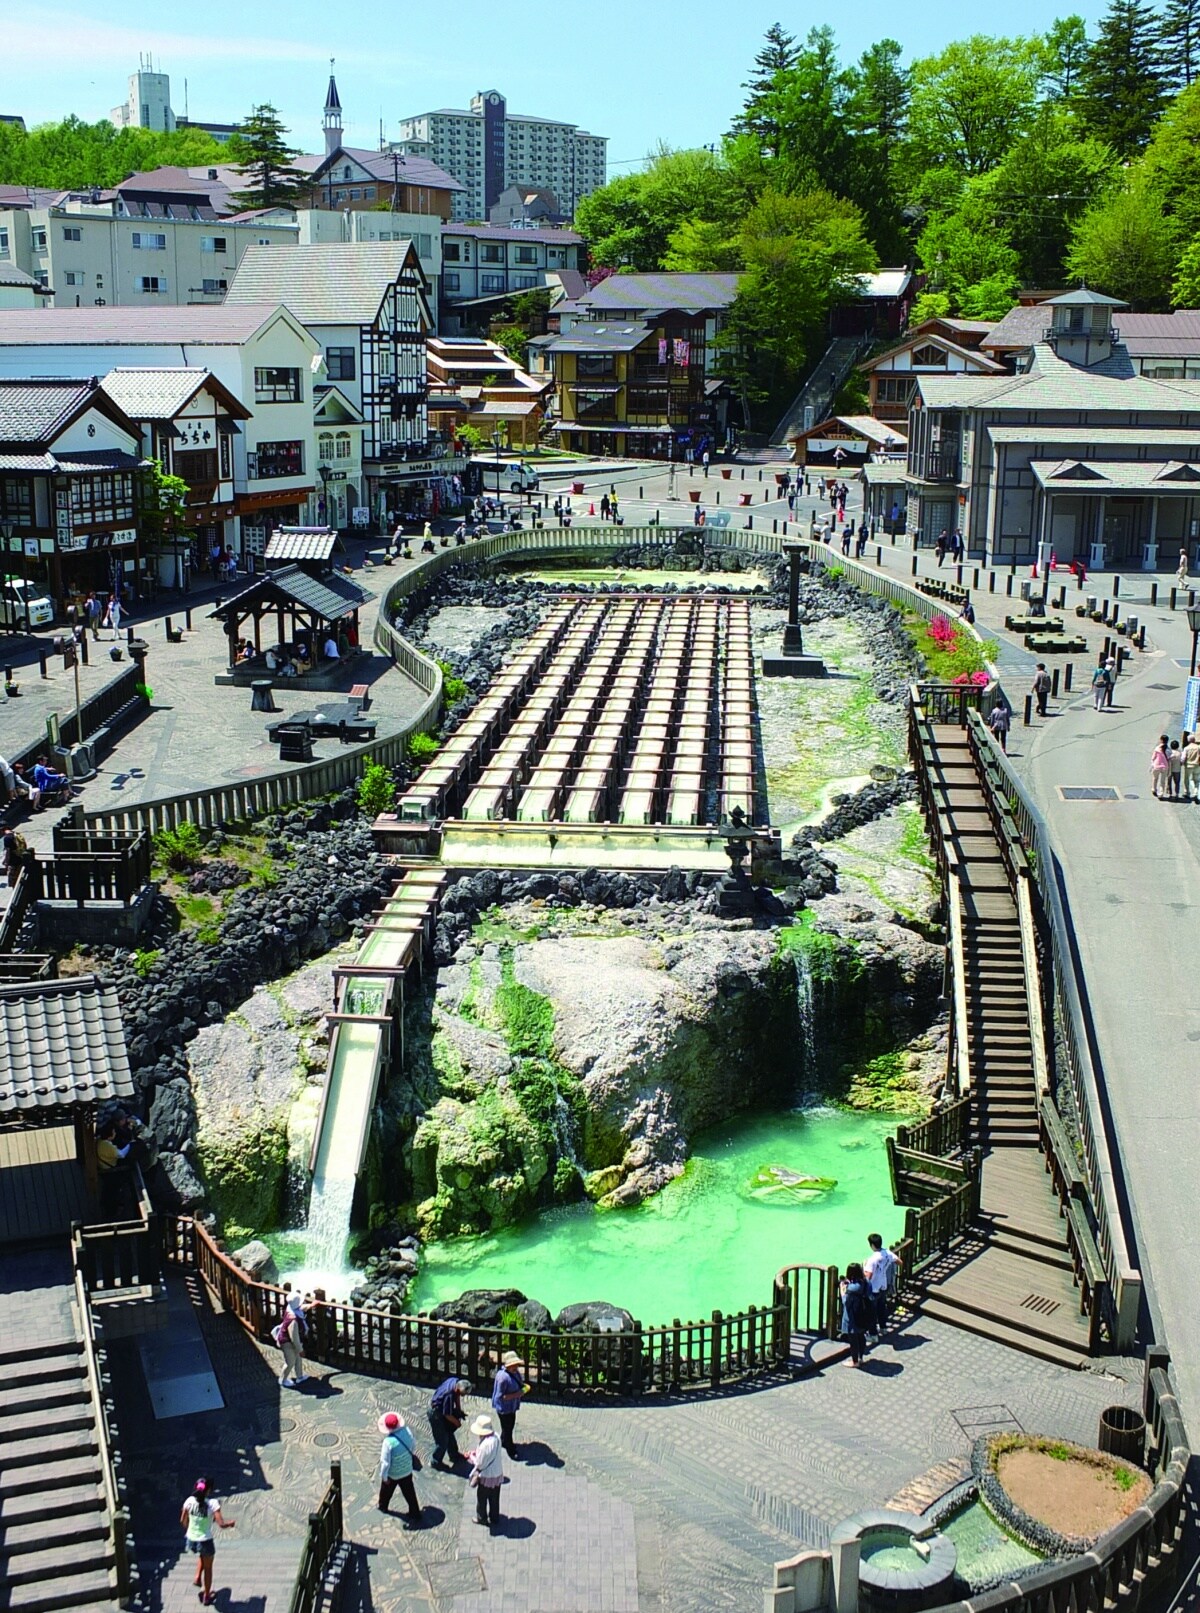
x,y
961,1068
1033,985
118,1517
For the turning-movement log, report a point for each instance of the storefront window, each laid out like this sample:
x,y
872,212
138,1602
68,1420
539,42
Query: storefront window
x,y
16,502
277,459
102,498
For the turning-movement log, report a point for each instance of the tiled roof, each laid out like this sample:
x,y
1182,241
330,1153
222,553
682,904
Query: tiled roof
x,y
982,364
323,283
64,1044
92,327
329,597
1174,335
1053,384
10,275
1123,436
97,459
1020,327
301,543
599,339
884,283
651,292
1118,475
409,170
160,394
505,232
33,413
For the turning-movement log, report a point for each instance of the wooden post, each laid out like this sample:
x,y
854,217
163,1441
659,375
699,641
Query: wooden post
x,y
714,1360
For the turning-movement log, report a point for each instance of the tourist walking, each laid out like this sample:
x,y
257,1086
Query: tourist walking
x,y
879,1268
199,1516
704,461
1181,574
1041,688
446,1417
92,612
487,1471
289,1335
113,617
1160,769
1000,721
940,546
958,546
1191,767
1101,684
604,507
856,1312
508,1390
398,1461
1113,667
1175,759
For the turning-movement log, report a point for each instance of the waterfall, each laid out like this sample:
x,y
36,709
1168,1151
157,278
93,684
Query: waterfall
x,y
328,1222
806,1016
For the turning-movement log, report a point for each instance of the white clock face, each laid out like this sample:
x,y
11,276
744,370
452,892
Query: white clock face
x,y
494,99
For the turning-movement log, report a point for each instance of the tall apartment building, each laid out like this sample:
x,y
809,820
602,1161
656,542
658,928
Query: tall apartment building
x,y
148,106
487,148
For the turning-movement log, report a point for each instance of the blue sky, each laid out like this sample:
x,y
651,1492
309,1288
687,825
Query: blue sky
x,y
634,70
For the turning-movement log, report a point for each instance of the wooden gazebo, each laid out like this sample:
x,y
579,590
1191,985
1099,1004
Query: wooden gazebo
x,y
65,1059
312,605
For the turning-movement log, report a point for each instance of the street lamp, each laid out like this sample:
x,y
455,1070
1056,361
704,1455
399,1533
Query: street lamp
x,y
1193,616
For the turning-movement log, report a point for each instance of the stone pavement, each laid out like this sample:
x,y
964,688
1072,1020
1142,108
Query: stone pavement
x,y
655,1507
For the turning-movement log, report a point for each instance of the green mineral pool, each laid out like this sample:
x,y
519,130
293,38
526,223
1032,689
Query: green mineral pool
x,y
755,1197
986,1555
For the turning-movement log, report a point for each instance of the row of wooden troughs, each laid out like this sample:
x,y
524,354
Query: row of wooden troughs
x,y
629,709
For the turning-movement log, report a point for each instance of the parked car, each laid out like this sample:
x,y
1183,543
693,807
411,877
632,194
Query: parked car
x,y
23,604
499,474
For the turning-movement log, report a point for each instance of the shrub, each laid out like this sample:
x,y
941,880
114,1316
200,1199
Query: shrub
x,y
179,848
452,687
422,747
144,691
144,961
376,792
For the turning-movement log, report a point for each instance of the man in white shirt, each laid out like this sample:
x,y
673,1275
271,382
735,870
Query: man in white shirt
x,y
331,649
879,1268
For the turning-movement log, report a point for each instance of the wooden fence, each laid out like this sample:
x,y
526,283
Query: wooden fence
x,y
116,1258
116,1514
321,1550
95,875
675,1356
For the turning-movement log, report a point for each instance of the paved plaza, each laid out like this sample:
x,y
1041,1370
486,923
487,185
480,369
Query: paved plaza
x,y
658,1507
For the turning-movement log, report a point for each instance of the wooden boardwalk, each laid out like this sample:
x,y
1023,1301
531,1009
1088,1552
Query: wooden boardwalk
x,y
42,1187
1013,1279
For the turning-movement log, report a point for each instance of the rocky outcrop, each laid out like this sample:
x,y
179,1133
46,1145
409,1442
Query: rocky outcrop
x,y
257,1261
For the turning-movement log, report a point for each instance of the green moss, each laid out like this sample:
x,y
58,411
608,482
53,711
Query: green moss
x,y
886,1085
245,1171
526,1017
829,955
914,840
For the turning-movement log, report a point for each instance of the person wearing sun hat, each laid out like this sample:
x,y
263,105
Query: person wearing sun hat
x,y
508,1390
398,1460
487,1470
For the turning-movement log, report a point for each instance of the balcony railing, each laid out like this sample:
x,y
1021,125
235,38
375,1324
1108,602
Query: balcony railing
x,y
940,465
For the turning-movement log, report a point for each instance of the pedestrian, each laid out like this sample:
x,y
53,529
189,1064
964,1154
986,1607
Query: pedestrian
x,y
1101,684
1000,721
508,1390
704,461
446,1417
487,1471
791,500
880,1268
113,617
91,608
860,546
847,535
1181,575
201,1512
1175,758
856,1312
958,545
614,503
398,1461
1041,688
939,547
1191,767
1160,769
1112,669
967,613
604,507
289,1335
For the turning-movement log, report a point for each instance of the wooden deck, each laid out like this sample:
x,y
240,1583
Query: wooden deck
x,y
42,1187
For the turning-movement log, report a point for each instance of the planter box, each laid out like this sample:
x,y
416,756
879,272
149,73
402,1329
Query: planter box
x,y
576,488
694,494
726,472
744,499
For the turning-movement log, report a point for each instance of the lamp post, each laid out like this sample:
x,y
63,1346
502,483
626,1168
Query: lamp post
x,y
1193,616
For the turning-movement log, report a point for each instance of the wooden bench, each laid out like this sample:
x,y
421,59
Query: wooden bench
x,y
362,694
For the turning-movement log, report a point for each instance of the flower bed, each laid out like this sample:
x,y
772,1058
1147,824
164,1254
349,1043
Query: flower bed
x,y
1057,1497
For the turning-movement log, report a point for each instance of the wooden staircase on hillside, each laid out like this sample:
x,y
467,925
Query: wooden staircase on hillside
x,y
56,1549
1012,1277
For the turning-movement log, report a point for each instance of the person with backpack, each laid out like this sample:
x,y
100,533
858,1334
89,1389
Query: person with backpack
x,y
200,1514
857,1312
289,1335
1042,683
446,1417
1101,684
1000,722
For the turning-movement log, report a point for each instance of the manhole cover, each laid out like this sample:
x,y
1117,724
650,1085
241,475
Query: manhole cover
x,y
1088,792
287,1425
459,1577
1042,1304
1166,688
977,1421
324,1441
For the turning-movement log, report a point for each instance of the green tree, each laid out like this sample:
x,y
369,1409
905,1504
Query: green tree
x,y
1042,187
801,254
1179,41
260,150
73,155
1066,48
163,514
1125,246
876,113
1122,86
1171,163
777,56
962,250
628,222
970,102
1185,289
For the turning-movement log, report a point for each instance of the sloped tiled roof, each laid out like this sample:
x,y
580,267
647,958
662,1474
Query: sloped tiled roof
x,y
34,412
91,327
322,282
653,292
1118,475
301,543
160,393
10,275
506,232
1052,384
329,597
64,1045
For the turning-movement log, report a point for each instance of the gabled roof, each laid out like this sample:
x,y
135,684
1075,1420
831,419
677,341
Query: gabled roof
x,y
64,1045
35,413
301,543
924,338
859,425
10,275
599,338
1083,297
330,597
884,284
1052,384
161,394
379,164
222,323
322,282
1118,475
327,394
655,293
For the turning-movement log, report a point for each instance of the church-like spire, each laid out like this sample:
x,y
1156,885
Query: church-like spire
x,y
333,115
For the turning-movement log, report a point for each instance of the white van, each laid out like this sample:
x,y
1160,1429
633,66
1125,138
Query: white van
x,y
23,604
505,475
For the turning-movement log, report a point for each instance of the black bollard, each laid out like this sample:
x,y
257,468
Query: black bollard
x,y
1191,598
1028,709
718,495
42,662
642,494
83,647
1008,582
991,582
975,582
958,575
1067,671
749,523
914,565
878,555
1154,593
167,627
1116,588
1054,684
1141,638
187,617
1171,600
